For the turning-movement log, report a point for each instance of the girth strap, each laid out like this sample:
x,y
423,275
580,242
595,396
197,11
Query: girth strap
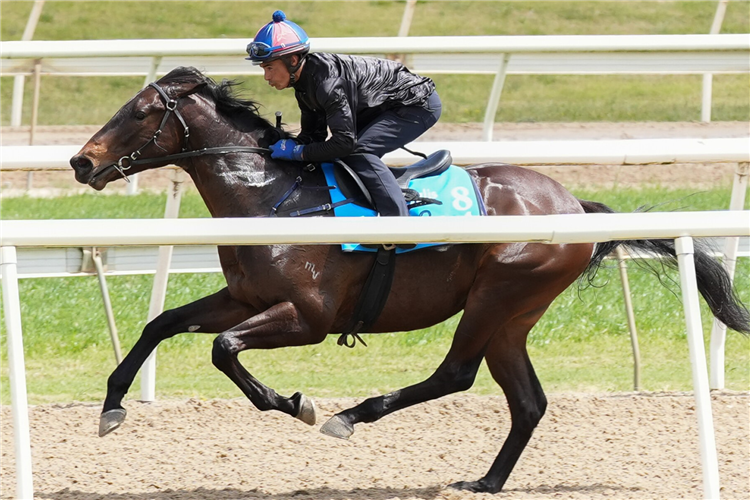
x,y
373,297
326,207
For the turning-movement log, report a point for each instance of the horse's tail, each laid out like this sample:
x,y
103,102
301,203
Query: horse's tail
x,y
714,283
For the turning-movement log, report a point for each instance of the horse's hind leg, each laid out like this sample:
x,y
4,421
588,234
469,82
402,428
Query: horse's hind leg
x,y
510,366
499,314
481,319
211,314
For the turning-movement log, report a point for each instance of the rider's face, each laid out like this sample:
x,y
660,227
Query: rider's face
x,y
276,74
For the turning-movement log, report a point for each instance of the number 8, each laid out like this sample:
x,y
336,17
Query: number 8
x,y
461,200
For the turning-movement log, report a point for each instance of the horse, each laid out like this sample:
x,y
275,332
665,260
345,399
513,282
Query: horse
x,y
272,300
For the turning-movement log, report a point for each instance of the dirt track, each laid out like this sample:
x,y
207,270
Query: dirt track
x,y
608,446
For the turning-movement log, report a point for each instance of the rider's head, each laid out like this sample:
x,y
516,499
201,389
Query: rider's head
x,y
279,47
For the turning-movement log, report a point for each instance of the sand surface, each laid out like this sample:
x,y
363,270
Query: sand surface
x,y
586,447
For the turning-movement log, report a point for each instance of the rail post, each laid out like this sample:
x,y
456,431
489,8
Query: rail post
x,y
159,289
689,285
630,317
96,258
731,244
497,89
18,80
17,372
708,78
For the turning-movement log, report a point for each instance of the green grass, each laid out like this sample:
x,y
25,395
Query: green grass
x,y
76,20
89,100
581,344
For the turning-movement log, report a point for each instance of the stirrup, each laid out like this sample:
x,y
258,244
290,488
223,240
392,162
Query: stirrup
x,y
350,339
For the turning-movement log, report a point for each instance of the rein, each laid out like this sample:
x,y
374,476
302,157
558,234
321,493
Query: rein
x,y
134,158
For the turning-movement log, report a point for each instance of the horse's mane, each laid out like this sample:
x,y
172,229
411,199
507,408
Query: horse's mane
x,y
242,112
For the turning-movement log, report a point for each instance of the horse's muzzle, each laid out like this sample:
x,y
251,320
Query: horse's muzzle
x,y
83,168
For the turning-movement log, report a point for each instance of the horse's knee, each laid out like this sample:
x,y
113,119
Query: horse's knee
x,y
542,406
161,327
534,412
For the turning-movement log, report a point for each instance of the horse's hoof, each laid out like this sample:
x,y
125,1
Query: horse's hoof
x,y
473,486
306,411
111,420
337,427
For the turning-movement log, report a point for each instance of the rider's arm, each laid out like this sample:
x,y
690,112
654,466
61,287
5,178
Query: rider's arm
x,y
313,125
340,120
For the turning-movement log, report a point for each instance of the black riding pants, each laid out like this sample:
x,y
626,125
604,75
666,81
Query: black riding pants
x,y
385,133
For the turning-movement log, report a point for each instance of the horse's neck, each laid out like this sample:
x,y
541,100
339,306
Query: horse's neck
x,y
237,184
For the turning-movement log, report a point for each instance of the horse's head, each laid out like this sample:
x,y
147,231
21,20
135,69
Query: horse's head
x,y
149,126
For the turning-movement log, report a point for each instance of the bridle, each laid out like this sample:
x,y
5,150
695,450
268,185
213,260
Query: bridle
x,y
134,158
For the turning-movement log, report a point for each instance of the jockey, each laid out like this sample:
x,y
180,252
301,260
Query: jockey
x,y
371,106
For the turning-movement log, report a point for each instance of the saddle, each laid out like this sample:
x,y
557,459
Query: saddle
x,y
352,187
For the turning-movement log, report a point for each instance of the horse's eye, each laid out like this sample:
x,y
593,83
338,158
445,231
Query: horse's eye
x,y
140,115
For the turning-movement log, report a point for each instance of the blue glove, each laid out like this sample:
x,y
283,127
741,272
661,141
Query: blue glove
x,y
286,149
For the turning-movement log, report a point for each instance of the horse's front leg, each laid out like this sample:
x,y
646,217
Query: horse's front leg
x,y
281,325
211,314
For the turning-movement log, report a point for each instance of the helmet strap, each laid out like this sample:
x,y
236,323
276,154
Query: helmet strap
x,y
292,68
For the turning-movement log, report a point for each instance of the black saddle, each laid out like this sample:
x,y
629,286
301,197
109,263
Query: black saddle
x,y
352,187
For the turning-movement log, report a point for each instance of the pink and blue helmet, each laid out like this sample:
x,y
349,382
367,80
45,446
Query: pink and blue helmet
x,y
276,39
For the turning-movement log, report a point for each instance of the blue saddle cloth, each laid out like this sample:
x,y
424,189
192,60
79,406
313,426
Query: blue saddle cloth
x,y
455,188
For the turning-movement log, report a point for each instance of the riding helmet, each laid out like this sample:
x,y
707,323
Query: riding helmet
x,y
276,39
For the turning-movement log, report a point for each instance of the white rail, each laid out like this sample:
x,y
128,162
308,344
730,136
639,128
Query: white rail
x,y
253,231
40,49
586,152
546,229
549,54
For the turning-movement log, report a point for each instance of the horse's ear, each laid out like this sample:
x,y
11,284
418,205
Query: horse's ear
x,y
189,88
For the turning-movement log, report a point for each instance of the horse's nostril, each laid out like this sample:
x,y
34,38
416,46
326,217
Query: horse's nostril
x,y
80,162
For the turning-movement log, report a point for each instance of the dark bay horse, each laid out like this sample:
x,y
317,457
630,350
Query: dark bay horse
x,y
273,300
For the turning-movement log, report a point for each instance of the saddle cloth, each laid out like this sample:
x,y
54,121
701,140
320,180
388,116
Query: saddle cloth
x,y
454,187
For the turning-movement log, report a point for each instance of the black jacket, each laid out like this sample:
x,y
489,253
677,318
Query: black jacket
x,y
344,93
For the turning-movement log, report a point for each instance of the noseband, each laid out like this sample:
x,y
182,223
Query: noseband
x,y
134,158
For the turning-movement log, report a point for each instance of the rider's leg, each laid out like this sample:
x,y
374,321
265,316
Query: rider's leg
x,y
385,192
397,127
387,132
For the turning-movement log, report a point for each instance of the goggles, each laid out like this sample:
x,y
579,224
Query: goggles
x,y
260,50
